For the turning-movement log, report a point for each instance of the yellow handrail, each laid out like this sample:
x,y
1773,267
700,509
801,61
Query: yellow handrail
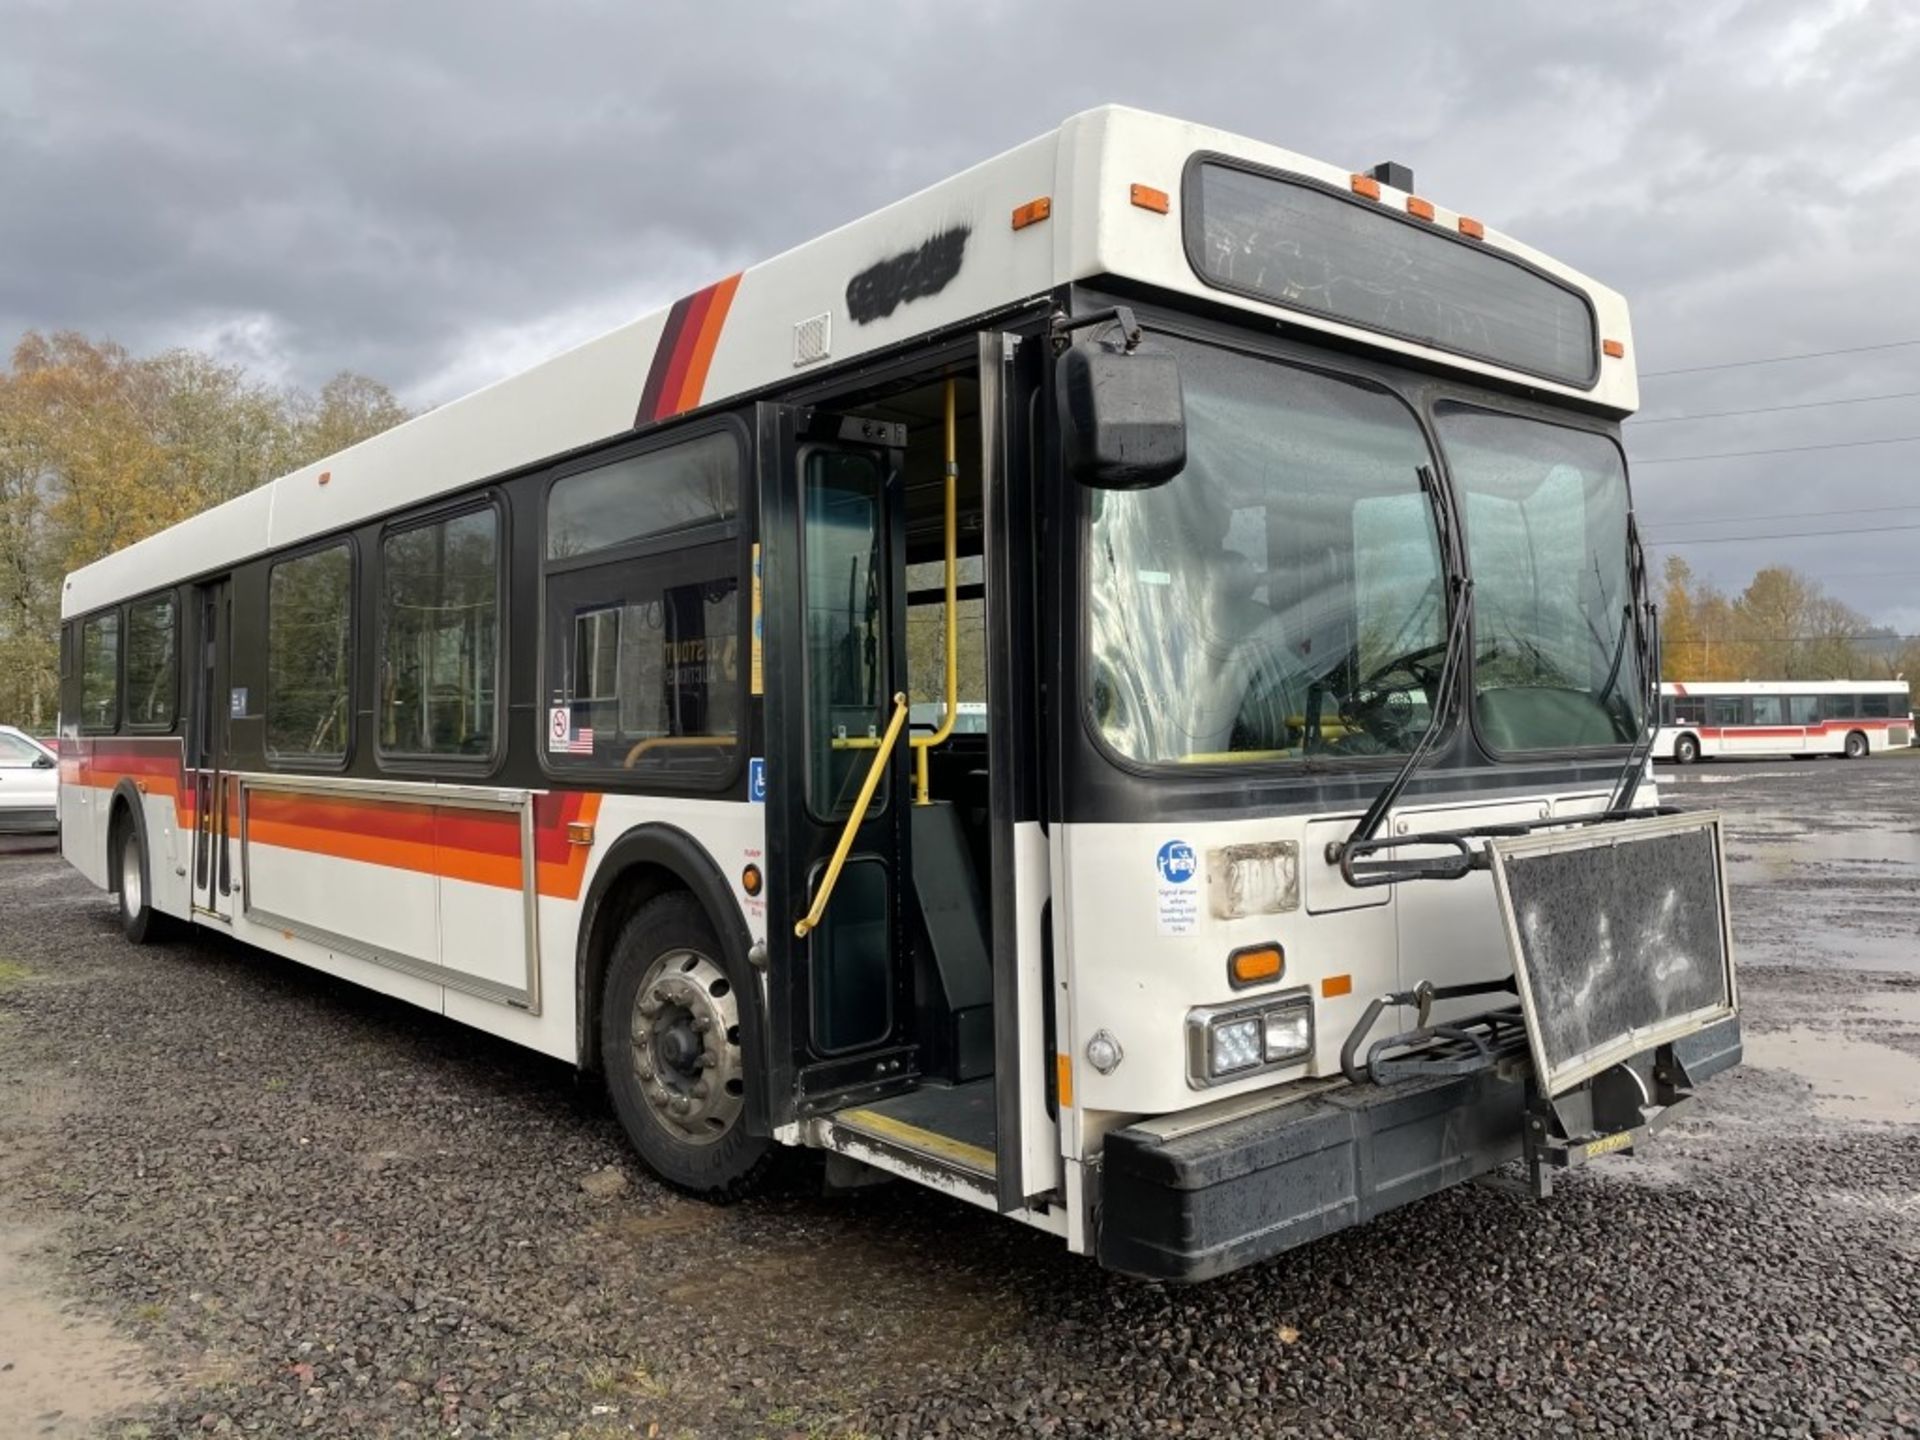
x,y
860,804
921,744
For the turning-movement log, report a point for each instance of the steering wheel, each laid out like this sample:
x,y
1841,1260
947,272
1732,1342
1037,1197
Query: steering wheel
x,y
1412,663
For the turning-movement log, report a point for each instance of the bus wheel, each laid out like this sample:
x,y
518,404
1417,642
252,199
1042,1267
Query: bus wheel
x,y
142,924
1686,750
670,1039
1856,745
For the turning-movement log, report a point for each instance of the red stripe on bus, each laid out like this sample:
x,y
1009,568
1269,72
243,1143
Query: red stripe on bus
x,y
684,353
481,846
700,359
698,304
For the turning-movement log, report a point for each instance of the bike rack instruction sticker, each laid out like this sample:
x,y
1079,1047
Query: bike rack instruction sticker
x,y
1177,896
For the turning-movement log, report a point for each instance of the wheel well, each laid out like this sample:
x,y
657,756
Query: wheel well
x,y
1686,735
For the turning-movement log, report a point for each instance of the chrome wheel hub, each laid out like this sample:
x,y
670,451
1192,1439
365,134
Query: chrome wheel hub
x,y
685,1028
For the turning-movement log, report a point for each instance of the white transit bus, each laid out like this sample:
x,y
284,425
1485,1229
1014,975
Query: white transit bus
x,y
1713,720
1264,526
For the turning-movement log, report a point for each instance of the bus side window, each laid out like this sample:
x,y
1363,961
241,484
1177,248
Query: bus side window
x,y
644,627
1727,710
1876,707
1840,707
1803,709
100,672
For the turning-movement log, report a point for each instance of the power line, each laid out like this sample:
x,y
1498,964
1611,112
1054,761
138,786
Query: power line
x,y
1778,450
1783,535
1787,515
1771,409
1780,359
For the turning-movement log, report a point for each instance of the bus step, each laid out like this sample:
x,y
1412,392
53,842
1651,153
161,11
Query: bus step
x,y
948,1126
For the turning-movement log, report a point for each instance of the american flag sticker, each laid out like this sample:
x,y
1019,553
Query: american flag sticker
x,y
562,738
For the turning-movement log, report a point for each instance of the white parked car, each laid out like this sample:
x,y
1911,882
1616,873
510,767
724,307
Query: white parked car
x,y
29,783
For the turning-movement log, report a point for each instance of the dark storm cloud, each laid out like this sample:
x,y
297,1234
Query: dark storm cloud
x,y
439,194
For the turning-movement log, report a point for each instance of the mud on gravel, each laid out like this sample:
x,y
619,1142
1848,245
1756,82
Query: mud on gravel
x,y
318,1212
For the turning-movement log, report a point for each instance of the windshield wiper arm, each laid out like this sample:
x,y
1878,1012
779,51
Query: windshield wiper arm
x,y
1460,591
1646,633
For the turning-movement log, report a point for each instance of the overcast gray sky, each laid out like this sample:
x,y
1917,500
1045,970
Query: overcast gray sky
x,y
441,193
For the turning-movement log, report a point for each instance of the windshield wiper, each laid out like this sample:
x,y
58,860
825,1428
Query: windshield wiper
x,y
1646,634
1460,592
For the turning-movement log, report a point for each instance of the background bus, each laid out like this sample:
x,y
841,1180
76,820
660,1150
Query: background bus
x,y
1714,720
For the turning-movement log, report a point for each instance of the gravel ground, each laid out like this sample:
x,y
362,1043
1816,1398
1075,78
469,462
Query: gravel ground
x,y
311,1210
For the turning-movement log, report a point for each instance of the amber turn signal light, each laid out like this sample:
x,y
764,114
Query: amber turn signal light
x,y
1255,965
1148,198
1032,213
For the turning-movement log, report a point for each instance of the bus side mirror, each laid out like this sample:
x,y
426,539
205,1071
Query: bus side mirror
x,y
1123,421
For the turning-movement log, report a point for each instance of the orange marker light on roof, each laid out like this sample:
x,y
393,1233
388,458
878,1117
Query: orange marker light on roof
x,y
1472,228
1365,185
1032,213
1419,209
1148,198
1614,349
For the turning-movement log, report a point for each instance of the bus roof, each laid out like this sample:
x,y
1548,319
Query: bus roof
x,y
1100,196
1778,687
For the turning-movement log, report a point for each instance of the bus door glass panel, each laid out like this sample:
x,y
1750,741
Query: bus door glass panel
x,y
214,705
849,689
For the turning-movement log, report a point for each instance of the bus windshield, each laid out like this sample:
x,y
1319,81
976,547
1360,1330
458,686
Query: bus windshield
x,y
1280,599
1555,663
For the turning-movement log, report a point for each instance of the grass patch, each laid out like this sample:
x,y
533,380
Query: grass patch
x,y
11,975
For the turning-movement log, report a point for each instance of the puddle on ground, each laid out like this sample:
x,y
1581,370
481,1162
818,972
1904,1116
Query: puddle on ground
x,y
1852,1079
60,1373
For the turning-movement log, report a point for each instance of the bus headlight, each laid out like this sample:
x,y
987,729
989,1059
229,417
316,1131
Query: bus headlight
x,y
1229,1042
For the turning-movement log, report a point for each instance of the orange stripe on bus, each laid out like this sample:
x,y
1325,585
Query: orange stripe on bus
x,y
706,342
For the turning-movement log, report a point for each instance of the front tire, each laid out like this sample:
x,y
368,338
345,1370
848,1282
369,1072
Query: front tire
x,y
1856,746
139,921
671,1041
1686,750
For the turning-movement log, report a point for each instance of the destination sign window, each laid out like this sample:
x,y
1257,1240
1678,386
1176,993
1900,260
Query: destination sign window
x,y
1292,242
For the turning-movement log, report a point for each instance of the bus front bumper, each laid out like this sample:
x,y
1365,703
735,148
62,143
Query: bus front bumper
x,y
1190,1204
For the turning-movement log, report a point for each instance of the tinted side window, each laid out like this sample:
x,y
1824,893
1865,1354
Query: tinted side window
x,y
645,620
659,493
1877,707
1769,710
153,651
100,673
440,652
1839,707
1803,710
1727,710
309,655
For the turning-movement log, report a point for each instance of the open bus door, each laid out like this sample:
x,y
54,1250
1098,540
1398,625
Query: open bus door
x,y
840,1011
214,703
915,1014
